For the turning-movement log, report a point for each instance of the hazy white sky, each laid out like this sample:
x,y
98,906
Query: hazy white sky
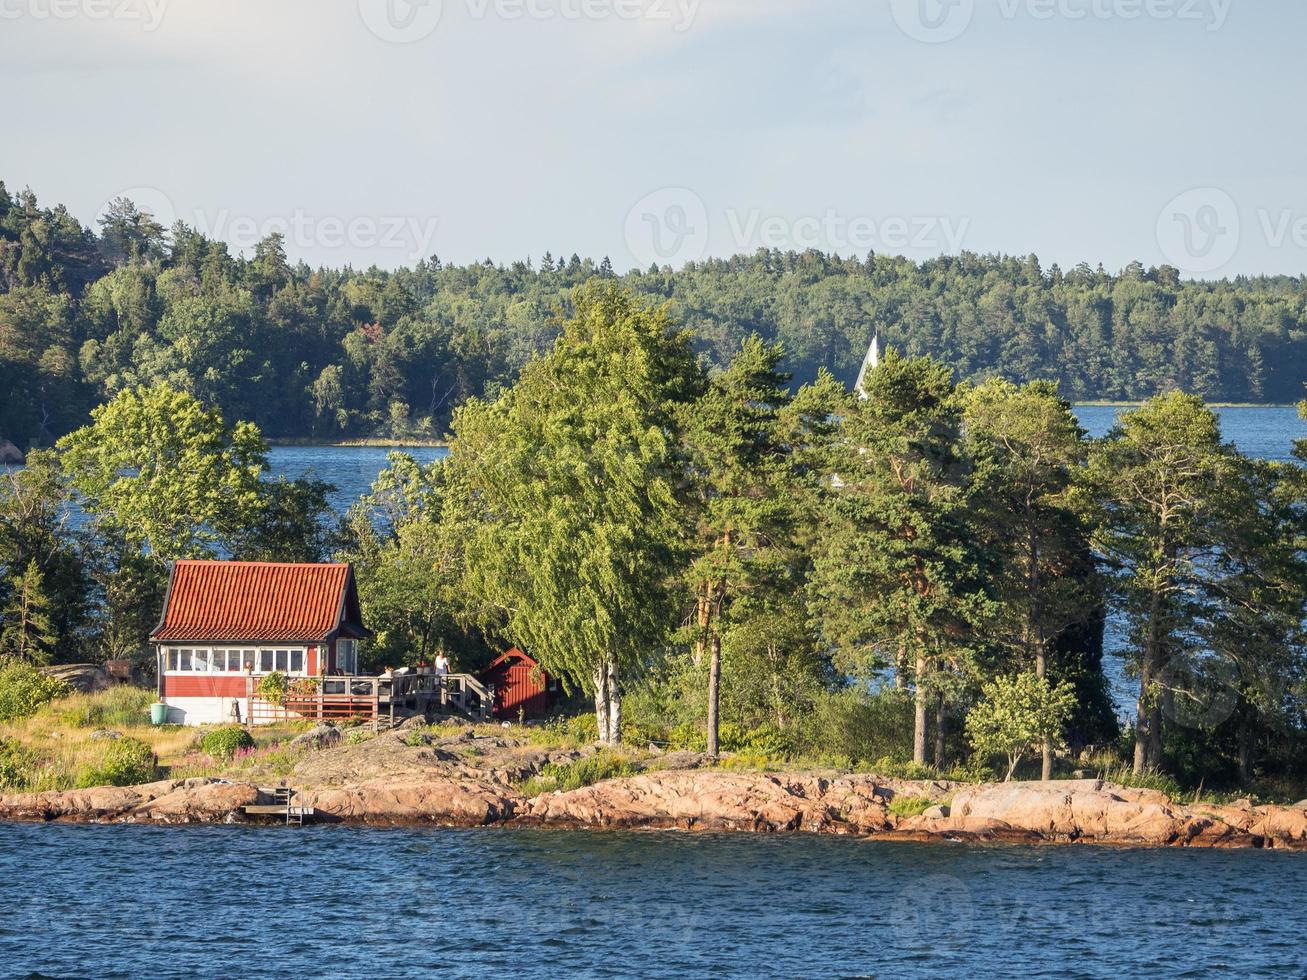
x,y
380,131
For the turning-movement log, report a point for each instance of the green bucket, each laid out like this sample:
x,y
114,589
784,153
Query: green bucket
x,y
158,714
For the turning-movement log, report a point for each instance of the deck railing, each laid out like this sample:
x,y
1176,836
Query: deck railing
x,y
388,697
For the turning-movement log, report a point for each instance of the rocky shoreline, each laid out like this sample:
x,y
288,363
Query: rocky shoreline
x,y
465,781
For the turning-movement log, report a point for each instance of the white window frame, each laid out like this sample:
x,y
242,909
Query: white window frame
x,y
220,660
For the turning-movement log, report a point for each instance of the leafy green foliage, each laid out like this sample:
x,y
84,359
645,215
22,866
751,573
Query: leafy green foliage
x,y
16,764
224,743
126,762
604,764
910,806
1017,712
572,483
23,689
273,687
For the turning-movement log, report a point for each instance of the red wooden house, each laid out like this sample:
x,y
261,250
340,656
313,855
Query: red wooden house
x,y
520,686
226,622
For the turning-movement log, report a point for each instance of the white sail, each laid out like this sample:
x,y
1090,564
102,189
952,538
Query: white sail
x,y
870,363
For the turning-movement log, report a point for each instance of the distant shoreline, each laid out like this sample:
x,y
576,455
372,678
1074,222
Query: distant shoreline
x,y
307,443
1137,404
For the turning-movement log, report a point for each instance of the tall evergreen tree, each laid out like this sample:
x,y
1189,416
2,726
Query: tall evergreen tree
x,y
900,577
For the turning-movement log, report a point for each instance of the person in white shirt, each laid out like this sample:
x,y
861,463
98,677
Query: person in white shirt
x,y
442,664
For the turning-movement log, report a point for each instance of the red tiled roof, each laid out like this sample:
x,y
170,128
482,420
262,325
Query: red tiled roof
x,y
239,601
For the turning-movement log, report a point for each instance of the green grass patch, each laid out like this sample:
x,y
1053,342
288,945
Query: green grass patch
x,y
581,773
910,806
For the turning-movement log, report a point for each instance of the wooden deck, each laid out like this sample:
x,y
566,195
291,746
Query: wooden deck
x,y
384,700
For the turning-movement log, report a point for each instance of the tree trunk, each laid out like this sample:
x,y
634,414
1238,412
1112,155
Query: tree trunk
x,y
919,719
614,705
1046,769
1141,720
601,702
714,691
1245,745
941,731
704,617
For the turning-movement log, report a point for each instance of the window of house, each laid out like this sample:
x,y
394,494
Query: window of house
x,y
286,661
347,656
179,659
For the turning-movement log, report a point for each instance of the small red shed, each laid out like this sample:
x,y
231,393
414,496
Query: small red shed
x,y
520,686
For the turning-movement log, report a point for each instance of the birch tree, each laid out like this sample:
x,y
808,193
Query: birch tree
x,y
572,479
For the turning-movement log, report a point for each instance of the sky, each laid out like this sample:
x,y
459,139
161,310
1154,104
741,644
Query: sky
x,y
379,132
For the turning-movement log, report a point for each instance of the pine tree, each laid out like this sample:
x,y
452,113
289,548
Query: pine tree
x,y
1028,448
899,577
738,484
26,632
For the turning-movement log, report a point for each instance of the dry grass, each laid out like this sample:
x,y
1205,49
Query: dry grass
x,y
58,740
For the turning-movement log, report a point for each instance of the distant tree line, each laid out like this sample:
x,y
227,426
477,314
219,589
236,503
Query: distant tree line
x,y
331,353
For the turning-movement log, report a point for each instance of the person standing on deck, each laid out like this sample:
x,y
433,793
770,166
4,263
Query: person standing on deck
x,y
442,664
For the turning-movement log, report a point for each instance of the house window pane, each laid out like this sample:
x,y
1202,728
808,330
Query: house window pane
x,y
266,662
283,660
183,660
201,661
297,661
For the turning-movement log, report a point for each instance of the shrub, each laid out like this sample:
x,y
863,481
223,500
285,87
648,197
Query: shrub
x,y
584,728
642,736
854,724
16,764
224,743
121,706
126,762
272,687
910,806
359,735
581,773
688,738
1149,779
23,689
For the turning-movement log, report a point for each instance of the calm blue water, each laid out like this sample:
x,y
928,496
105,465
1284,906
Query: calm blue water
x,y
351,469
1265,432
103,902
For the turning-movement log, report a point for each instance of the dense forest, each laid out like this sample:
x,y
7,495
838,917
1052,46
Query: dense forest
x,y
918,575
336,353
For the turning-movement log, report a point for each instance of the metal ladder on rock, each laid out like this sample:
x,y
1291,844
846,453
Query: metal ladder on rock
x,y
285,796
